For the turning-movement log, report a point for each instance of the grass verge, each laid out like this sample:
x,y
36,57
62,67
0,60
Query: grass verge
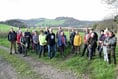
x,y
94,69
21,67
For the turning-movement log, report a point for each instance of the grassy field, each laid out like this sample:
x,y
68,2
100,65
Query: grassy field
x,y
50,22
5,28
95,69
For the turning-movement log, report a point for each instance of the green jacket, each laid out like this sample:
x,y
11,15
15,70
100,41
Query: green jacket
x,y
42,40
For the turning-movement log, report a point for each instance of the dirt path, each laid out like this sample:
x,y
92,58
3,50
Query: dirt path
x,y
46,71
6,71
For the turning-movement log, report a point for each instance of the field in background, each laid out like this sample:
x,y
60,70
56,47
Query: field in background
x,y
95,69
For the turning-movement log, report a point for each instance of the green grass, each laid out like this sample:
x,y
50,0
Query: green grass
x,y
95,69
4,42
6,28
21,67
49,22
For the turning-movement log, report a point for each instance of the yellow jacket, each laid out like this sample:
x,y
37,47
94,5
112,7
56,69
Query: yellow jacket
x,y
77,40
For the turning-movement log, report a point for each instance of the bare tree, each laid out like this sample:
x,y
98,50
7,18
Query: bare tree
x,y
110,2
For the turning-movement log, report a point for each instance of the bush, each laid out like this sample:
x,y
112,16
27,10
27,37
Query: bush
x,y
3,34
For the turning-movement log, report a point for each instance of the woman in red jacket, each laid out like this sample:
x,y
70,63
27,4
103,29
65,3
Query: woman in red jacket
x,y
19,35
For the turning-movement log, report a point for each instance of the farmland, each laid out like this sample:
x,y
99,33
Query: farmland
x,y
81,66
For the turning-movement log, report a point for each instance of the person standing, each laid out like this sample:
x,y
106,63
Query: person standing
x,y
51,43
100,43
72,35
106,35
28,37
91,43
24,44
77,42
43,42
12,39
111,46
35,41
19,36
86,37
96,39
62,43
46,31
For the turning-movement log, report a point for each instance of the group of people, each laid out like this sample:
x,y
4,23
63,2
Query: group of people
x,y
105,42
49,41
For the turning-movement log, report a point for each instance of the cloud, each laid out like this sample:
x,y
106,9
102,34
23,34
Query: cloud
x,y
26,9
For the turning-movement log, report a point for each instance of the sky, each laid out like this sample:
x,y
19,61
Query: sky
x,y
91,10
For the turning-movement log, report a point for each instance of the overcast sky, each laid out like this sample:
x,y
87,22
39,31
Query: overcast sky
x,y
27,9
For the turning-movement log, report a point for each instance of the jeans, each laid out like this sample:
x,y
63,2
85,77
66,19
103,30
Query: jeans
x,y
105,53
84,50
100,49
36,48
41,51
90,54
24,50
51,51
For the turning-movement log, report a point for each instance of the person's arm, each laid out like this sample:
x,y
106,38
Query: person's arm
x,y
80,39
8,37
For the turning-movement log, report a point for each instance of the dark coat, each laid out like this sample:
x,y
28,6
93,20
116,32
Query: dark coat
x,y
91,42
112,41
12,36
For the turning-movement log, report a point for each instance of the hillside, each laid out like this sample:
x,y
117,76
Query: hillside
x,y
15,23
59,21
4,27
109,23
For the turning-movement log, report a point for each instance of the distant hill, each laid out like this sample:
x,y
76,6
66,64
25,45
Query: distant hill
x,y
108,23
15,23
59,21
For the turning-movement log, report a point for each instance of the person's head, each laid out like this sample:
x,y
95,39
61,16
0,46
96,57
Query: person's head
x,y
106,32
18,28
41,32
86,30
11,30
73,30
27,30
91,30
59,28
92,35
101,32
111,33
20,31
23,34
35,33
62,33
51,30
76,32
47,28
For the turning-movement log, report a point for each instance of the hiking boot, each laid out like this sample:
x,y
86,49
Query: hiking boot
x,y
24,55
16,53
